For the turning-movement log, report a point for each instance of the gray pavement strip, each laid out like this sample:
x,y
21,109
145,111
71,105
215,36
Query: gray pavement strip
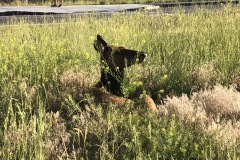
x,y
40,10
196,3
41,14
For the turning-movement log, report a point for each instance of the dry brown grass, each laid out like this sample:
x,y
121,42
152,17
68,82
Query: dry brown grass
x,y
219,103
73,83
76,82
204,76
53,136
215,111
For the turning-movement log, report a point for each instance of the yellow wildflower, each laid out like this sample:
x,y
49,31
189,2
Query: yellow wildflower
x,y
161,91
165,76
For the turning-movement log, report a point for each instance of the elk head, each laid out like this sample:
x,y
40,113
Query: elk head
x,y
117,57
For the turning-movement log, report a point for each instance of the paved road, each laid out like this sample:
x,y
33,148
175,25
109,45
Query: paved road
x,y
75,9
43,13
38,14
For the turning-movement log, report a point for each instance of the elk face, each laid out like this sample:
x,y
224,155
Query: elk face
x,y
117,57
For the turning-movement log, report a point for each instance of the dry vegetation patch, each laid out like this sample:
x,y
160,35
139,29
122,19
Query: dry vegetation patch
x,y
50,132
204,76
71,83
215,111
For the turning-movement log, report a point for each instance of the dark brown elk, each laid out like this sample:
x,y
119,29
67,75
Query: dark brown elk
x,y
113,61
111,80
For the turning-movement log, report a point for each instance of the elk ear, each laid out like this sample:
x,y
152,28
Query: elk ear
x,y
98,46
100,39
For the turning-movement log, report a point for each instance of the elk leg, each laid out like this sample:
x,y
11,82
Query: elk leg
x,y
61,4
103,96
55,3
149,103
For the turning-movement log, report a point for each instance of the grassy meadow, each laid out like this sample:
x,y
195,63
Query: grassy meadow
x,y
193,66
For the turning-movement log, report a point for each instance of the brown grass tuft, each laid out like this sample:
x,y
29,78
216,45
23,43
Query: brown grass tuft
x,y
219,103
204,76
28,91
73,83
57,141
76,81
215,111
50,134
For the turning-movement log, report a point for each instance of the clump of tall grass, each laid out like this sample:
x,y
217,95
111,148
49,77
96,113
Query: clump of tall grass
x,y
41,137
214,111
71,83
204,76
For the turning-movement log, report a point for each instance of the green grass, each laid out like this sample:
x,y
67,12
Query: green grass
x,y
50,66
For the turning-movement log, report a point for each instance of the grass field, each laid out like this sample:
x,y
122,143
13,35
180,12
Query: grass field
x,y
193,65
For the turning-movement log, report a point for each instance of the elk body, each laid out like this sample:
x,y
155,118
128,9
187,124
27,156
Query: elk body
x,y
113,61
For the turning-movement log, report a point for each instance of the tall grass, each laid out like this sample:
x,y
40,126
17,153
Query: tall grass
x,y
50,66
